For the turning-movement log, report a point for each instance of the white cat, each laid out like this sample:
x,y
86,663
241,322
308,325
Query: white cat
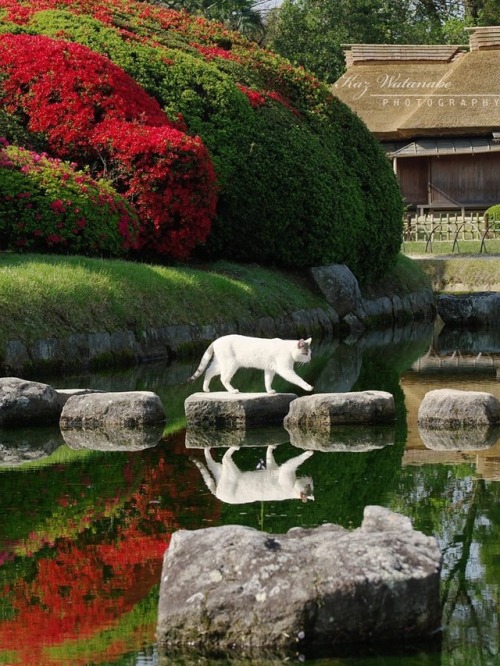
x,y
276,356
274,483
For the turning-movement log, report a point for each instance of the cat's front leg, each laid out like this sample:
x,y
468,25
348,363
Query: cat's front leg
x,y
294,378
229,387
268,380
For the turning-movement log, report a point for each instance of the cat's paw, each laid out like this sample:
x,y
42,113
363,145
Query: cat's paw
x,y
271,391
308,387
233,390
207,390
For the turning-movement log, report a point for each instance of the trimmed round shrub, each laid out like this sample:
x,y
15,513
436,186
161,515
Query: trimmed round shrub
x,y
301,180
187,86
65,90
48,206
493,213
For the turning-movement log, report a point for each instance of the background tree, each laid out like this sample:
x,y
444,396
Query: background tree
x,y
242,15
311,32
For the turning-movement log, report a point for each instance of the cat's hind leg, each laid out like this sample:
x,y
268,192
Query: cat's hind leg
x,y
226,376
213,466
211,372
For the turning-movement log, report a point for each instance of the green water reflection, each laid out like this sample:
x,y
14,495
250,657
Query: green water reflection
x,y
83,531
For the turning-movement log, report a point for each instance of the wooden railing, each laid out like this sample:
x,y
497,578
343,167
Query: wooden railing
x,y
450,227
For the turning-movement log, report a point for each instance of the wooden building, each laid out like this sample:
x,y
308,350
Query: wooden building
x,y
436,110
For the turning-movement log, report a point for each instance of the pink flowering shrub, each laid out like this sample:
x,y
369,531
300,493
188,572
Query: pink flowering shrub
x,y
47,205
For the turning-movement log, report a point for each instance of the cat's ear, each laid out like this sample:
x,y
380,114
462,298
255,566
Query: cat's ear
x,y
303,343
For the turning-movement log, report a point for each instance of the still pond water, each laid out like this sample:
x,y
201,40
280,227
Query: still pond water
x,y
83,531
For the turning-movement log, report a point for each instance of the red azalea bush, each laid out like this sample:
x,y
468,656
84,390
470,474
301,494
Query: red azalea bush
x,y
65,90
91,110
169,177
46,205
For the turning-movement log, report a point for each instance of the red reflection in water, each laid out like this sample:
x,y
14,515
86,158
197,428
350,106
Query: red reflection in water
x,y
74,602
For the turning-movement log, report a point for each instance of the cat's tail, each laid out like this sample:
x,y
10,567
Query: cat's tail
x,y
205,360
210,483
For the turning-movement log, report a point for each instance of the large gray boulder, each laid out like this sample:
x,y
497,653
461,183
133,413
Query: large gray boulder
x,y
317,413
452,408
127,409
63,395
340,288
234,589
224,410
26,403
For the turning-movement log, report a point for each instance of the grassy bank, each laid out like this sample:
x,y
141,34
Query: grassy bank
x,y
43,296
461,272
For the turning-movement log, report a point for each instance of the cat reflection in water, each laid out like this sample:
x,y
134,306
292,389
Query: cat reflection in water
x,y
231,352
274,483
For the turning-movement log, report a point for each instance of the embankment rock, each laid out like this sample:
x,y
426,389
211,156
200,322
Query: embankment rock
x,y
223,410
26,403
452,408
341,290
128,409
234,589
476,309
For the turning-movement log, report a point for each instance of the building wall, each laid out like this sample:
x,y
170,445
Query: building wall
x,y
467,179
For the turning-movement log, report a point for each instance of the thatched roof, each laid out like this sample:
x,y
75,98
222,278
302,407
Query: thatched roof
x,y
406,92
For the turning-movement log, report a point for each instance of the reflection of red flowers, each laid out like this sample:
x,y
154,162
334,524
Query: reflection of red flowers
x,y
84,586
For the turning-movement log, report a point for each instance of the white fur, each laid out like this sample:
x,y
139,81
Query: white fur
x,y
231,352
275,483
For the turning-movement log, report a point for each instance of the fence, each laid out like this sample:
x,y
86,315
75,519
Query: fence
x,y
450,227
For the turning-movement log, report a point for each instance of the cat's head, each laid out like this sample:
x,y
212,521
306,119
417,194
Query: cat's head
x,y
304,488
302,352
